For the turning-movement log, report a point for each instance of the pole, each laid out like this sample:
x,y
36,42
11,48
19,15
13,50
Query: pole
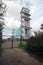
x,y
0,39
12,37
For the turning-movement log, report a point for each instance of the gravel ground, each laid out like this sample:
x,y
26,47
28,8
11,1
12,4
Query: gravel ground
x,y
17,56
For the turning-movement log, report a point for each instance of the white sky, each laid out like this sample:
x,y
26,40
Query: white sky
x,y
14,8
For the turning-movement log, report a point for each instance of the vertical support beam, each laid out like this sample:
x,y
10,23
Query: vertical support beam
x,y
12,37
21,42
0,39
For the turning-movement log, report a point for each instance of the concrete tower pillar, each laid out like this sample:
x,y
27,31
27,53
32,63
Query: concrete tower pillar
x,y
25,24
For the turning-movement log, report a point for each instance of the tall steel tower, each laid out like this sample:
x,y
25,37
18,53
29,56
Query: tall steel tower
x,y
25,24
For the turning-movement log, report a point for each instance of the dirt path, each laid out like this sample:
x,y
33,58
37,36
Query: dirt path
x,y
17,56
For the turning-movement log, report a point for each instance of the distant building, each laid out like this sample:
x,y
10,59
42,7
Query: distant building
x,y
25,24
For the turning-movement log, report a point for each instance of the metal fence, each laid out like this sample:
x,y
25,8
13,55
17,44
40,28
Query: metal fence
x,y
10,41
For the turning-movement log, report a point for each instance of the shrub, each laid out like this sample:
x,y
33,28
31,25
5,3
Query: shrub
x,y
35,45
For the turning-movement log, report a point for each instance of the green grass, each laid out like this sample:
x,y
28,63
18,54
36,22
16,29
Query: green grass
x,y
23,44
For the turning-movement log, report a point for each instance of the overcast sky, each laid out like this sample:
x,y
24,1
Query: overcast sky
x,y
14,8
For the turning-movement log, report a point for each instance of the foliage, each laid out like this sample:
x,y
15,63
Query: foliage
x,y
35,45
2,11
